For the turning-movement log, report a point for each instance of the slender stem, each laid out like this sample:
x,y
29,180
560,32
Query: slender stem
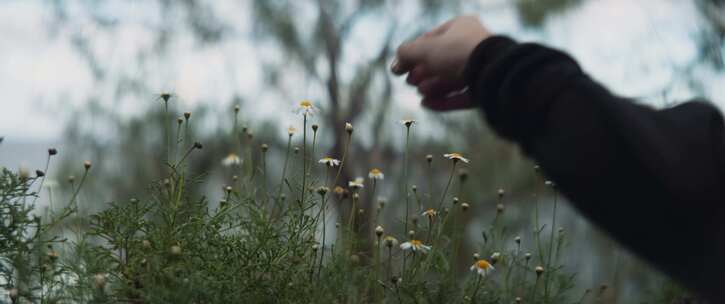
x,y
42,181
551,248
324,233
304,162
166,131
405,187
450,179
344,157
475,291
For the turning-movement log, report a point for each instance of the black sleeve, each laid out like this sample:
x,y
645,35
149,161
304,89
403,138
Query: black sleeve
x,y
651,178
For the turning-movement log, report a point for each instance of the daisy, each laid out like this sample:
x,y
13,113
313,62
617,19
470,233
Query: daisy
x,y
231,160
407,122
483,267
329,161
291,131
415,245
456,157
430,213
375,173
306,108
357,183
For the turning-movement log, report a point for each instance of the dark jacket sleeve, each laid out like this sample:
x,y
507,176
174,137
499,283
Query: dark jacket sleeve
x,y
651,178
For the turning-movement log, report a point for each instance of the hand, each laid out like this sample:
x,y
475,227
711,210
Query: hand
x,y
435,61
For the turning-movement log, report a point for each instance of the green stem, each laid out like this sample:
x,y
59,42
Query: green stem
x,y
551,248
450,179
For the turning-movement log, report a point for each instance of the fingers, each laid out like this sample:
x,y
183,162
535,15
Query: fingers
x,y
436,87
417,75
450,102
412,53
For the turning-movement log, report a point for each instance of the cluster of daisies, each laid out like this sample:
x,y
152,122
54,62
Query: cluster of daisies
x,y
306,108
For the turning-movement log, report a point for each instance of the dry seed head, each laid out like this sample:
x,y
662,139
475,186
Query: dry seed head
x,y
476,256
87,164
390,241
517,239
315,247
235,178
411,233
429,158
539,270
187,115
464,206
501,192
527,256
379,231
180,120
71,178
414,188
323,190
315,127
39,173
296,150
518,299
455,200
236,109
264,147
52,151
348,128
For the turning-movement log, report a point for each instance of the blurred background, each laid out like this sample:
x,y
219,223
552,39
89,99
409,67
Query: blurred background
x,y
85,76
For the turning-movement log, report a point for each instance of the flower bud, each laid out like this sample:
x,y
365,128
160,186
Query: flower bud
x,y
180,120
379,231
411,233
187,115
39,173
197,145
499,208
455,200
517,239
464,206
527,256
296,150
236,109
264,148
315,247
146,244
501,192
429,158
348,128
539,270
71,179
495,257
99,280
52,151
13,294
476,256
414,188
315,127
175,250
87,164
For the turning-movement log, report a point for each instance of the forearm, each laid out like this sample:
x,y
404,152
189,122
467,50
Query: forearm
x,y
651,178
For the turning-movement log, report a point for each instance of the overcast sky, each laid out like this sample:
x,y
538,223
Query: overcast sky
x,y
630,46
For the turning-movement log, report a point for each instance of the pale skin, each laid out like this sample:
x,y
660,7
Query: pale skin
x,y
435,60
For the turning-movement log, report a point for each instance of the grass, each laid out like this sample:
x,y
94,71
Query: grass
x,y
273,243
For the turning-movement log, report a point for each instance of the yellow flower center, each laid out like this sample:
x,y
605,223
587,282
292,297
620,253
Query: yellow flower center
x,y
306,104
416,243
483,264
375,171
430,212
